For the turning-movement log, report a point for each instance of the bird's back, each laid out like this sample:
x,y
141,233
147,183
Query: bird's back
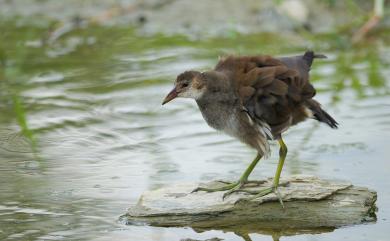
x,y
275,91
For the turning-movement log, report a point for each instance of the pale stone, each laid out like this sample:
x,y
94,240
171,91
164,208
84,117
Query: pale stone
x,y
309,202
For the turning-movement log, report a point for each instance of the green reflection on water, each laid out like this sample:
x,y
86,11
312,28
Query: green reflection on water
x,y
102,62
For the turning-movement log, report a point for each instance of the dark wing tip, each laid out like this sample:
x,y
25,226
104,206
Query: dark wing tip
x,y
334,125
320,56
309,56
325,117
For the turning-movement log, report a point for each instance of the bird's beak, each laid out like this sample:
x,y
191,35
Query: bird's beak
x,y
172,95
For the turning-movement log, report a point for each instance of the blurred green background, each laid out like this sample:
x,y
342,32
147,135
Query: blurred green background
x,y
83,133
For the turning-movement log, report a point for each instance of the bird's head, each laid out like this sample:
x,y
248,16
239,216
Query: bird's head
x,y
190,84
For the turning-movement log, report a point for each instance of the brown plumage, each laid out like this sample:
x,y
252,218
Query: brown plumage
x,y
254,98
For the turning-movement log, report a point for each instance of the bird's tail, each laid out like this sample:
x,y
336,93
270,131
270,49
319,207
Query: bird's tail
x,y
309,56
321,115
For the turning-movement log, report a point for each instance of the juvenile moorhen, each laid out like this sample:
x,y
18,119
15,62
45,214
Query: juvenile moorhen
x,y
255,99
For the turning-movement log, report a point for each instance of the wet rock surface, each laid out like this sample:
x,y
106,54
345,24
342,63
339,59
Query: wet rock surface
x,y
309,202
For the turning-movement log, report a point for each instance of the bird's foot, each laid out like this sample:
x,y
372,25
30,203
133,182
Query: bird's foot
x,y
264,192
229,187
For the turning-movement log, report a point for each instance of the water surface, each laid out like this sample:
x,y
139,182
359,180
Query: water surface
x,y
83,132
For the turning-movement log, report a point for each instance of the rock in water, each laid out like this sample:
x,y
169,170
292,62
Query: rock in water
x,y
309,202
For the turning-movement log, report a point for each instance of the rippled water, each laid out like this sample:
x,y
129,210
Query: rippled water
x,y
83,132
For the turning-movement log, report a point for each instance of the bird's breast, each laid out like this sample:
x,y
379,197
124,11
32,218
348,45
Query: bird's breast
x,y
221,116
235,122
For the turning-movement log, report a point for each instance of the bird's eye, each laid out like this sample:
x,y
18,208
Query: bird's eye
x,y
185,85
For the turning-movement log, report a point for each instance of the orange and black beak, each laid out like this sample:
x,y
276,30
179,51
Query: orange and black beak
x,y
172,95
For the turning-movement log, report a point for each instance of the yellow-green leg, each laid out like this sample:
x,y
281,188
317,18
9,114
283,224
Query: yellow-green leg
x,y
232,187
274,187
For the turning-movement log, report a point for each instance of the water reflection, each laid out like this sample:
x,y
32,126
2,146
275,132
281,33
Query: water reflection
x,y
245,232
83,134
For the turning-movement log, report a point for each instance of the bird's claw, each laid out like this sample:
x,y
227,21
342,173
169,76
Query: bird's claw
x,y
218,189
230,188
233,190
238,187
262,193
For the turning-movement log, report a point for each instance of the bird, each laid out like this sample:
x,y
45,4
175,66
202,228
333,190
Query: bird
x,y
254,99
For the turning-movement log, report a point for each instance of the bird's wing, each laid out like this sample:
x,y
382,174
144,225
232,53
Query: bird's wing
x,y
271,90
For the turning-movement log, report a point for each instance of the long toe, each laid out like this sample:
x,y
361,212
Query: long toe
x,y
254,183
217,189
225,182
262,193
277,193
237,188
